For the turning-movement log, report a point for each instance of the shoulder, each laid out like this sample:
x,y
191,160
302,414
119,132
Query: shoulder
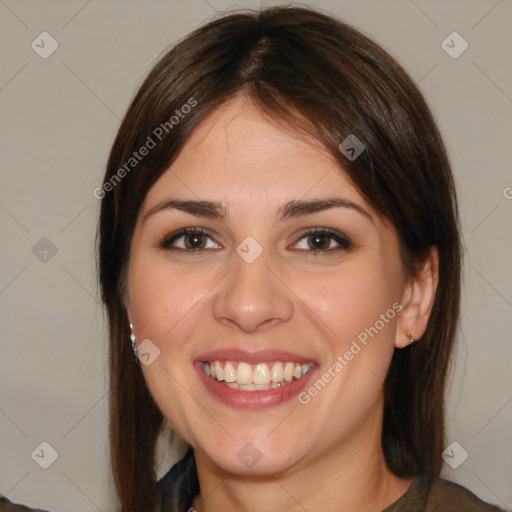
x,y
447,496
430,494
8,506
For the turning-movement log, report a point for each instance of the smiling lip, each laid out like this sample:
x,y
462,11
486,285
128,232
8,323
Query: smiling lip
x,y
253,399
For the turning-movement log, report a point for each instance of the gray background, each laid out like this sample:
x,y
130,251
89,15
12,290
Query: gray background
x,y
59,118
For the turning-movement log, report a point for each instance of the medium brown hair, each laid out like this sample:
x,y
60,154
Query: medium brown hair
x,y
324,78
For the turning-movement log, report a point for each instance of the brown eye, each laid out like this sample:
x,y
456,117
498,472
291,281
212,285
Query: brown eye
x,y
323,241
189,240
194,241
319,241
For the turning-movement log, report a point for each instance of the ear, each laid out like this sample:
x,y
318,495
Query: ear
x,y
417,301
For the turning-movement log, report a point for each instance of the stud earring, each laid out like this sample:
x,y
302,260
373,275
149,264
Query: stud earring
x,y
134,343
409,337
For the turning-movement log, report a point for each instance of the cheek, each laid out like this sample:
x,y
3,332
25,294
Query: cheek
x,y
351,301
166,308
161,299
354,308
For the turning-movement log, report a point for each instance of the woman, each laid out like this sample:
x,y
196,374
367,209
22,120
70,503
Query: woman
x,y
279,239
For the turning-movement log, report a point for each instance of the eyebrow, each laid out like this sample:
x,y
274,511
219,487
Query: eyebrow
x,y
292,209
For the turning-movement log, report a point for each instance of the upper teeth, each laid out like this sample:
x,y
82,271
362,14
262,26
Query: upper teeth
x,y
261,373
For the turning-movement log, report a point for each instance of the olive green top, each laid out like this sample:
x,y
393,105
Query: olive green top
x,y
8,506
439,495
180,485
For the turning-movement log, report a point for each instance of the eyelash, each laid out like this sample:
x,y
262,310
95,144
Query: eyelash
x,y
342,240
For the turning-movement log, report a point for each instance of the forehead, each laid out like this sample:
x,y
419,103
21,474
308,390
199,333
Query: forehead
x,y
239,153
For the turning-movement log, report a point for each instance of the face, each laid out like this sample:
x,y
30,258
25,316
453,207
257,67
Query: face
x,y
286,285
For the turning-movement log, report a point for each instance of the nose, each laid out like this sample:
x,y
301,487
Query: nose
x,y
253,296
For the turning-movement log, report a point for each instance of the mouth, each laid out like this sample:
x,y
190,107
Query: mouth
x,y
254,380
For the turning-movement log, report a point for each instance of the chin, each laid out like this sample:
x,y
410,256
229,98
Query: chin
x,y
254,454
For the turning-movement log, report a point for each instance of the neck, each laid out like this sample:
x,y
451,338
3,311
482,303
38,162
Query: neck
x,y
349,477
